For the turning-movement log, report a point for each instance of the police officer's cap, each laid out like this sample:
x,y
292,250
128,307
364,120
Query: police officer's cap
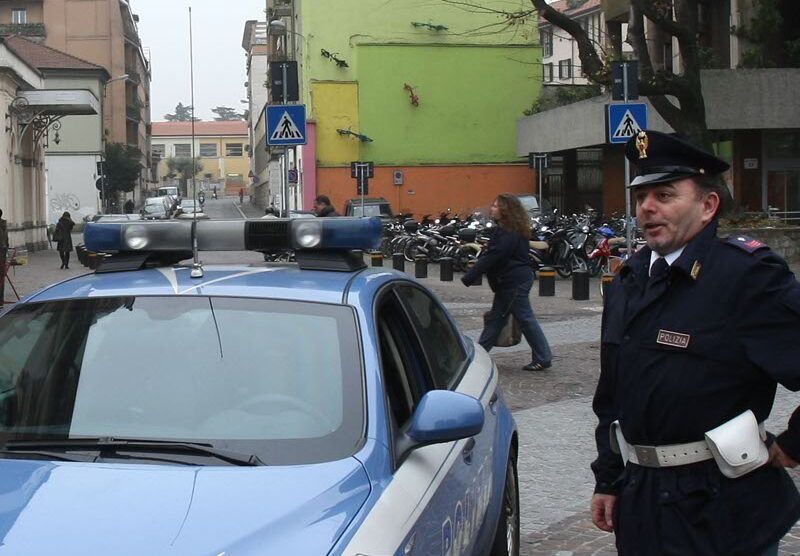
x,y
660,157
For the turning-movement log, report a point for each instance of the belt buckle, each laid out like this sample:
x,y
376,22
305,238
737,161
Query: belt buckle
x,y
647,456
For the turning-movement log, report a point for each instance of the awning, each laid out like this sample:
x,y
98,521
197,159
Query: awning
x,y
62,102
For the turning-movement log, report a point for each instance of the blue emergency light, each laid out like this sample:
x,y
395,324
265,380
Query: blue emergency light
x,y
174,239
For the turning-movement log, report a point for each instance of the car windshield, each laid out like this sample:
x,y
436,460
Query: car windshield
x,y
371,210
233,372
150,209
187,205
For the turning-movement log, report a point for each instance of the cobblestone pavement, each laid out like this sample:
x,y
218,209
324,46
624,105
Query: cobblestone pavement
x,y
552,409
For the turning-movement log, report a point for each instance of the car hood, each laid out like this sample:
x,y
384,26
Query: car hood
x,y
104,508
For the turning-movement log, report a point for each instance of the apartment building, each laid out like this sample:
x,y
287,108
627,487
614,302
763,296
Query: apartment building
x,y
255,45
752,112
104,33
223,149
430,94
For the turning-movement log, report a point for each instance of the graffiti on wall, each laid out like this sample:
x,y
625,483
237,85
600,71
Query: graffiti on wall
x,y
64,202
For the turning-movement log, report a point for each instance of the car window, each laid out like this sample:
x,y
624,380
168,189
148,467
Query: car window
x,y
248,381
440,340
402,361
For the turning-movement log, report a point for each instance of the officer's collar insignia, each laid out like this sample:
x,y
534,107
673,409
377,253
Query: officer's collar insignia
x,y
696,267
673,339
642,143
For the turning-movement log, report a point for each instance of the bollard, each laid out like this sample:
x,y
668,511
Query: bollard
x,y
605,282
91,260
580,285
547,282
446,269
420,266
479,279
399,262
377,258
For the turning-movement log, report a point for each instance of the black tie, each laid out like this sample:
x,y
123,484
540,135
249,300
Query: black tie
x,y
658,270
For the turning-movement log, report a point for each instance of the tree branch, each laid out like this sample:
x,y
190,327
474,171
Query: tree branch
x,y
593,65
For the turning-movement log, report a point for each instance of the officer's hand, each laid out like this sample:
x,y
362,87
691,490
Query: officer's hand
x,y
778,458
603,510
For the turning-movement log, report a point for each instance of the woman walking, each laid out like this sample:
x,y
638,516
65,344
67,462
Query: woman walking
x,y
63,237
508,269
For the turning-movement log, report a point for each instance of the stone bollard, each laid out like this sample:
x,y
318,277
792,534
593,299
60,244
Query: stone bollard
x,y
420,266
446,269
580,285
377,258
479,279
547,282
605,282
399,262
91,260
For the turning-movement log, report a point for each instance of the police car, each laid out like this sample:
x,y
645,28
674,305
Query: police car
x,y
320,408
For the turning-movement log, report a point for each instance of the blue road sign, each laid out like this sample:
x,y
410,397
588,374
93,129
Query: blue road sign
x,y
626,120
286,124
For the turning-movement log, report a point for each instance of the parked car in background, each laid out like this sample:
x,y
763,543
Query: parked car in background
x,y
374,206
532,205
172,191
157,208
189,209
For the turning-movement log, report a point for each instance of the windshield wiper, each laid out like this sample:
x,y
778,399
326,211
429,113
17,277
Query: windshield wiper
x,y
138,445
41,454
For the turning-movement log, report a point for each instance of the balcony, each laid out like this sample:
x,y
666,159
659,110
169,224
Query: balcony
x,y
32,30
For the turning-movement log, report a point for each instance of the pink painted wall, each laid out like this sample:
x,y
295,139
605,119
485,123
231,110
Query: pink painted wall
x,y
309,160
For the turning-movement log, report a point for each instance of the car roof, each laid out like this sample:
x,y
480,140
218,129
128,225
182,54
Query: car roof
x,y
273,281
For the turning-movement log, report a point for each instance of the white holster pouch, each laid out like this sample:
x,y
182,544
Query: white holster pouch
x,y
738,446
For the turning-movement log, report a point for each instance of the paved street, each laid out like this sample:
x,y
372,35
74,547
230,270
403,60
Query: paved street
x,y
553,409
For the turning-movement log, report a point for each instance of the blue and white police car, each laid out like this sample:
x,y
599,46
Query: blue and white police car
x,y
316,408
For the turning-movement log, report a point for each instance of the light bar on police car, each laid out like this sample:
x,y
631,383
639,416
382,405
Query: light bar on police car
x,y
234,235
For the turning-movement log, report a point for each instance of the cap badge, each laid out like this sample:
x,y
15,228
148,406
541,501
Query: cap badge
x,y
642,142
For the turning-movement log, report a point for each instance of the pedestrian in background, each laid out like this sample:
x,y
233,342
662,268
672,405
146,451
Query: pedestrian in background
x,y
63,238
3,255
508,268
241,196
323,206
128,206
697,333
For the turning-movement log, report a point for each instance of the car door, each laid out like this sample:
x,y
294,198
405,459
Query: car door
x,y
449,483
460,509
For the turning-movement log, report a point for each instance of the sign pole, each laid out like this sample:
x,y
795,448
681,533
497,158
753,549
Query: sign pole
x,y
628,230
285,176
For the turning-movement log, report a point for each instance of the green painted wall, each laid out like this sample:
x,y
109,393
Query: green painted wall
x,y
469,101
473,79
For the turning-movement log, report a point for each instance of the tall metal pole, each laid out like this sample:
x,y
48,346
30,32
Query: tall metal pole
x,y
197,271
285,176
628,230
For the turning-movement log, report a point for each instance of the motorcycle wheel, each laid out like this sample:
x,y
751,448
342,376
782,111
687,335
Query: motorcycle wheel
x,y
410,251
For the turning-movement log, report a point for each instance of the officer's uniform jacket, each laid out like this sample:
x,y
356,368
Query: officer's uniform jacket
x,y
709,340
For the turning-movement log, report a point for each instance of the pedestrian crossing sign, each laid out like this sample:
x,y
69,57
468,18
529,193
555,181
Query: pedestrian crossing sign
x,y
286,124
626,120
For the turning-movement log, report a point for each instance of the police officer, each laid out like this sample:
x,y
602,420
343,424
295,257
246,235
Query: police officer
x,y
696,331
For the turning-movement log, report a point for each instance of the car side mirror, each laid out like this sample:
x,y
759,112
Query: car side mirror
x,y
443,416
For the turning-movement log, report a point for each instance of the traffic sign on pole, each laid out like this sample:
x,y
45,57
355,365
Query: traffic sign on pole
x,y
625,121
286,124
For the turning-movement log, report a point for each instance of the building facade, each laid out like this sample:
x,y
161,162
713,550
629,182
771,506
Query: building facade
x,y
429,92
104,33
752,113
222,147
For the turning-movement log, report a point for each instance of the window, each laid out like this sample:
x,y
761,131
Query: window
x,y
565,69
402,362
440,340
158,151
303,406
234,149
546,39
183,150
547,72
19,15
208,150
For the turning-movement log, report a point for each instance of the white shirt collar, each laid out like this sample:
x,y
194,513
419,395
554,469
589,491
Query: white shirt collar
x,y
669,257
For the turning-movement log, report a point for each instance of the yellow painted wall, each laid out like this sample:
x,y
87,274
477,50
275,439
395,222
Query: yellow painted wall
x,y
335,106
216,166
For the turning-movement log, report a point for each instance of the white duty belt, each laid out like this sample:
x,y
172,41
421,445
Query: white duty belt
x,y
669,455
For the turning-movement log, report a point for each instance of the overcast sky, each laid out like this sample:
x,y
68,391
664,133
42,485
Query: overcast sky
x,y
219,60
